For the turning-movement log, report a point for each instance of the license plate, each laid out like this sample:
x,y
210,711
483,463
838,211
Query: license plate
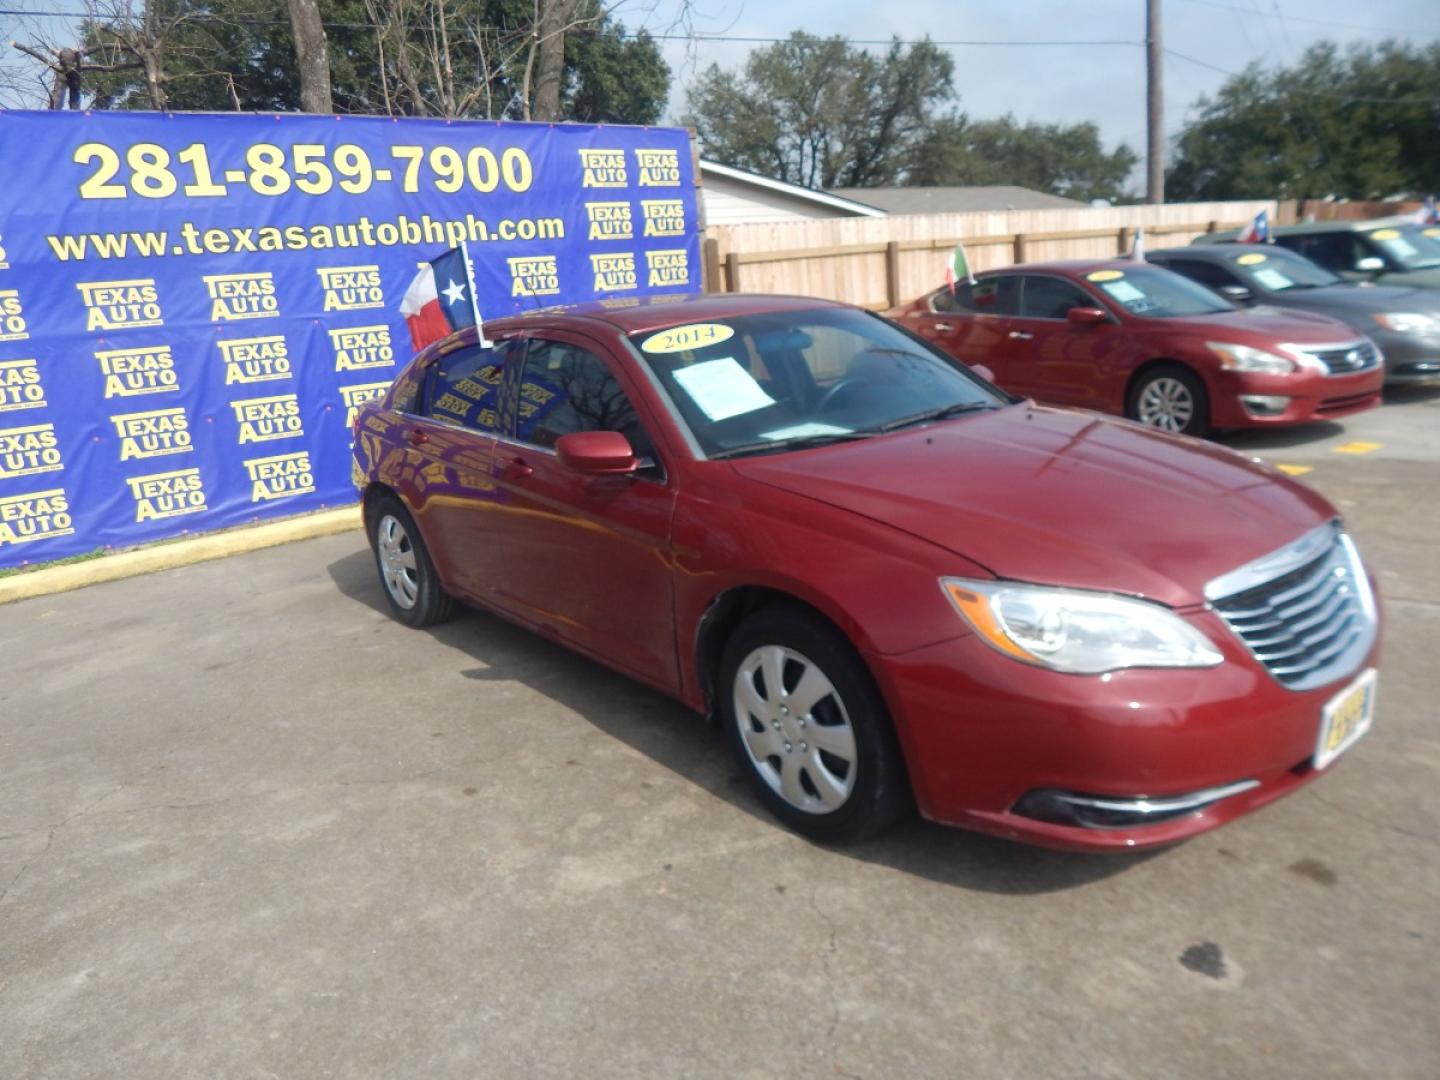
x,y
1345,718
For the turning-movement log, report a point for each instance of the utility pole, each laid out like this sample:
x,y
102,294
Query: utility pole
x,y
1154,106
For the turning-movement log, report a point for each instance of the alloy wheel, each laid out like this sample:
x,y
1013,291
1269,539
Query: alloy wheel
x,y
397,561
1166,403
795,729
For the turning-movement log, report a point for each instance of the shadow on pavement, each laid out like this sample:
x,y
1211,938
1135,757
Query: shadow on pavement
x,y
672,736
1281,438
1408,395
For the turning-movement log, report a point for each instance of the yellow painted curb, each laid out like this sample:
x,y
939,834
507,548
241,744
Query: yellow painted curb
x,y
56,579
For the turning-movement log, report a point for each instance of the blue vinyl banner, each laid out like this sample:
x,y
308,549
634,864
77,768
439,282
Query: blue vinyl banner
x,y
192,306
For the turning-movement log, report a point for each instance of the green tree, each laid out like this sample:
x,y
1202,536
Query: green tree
x,y
453,58
1358,124
819,112
1063,159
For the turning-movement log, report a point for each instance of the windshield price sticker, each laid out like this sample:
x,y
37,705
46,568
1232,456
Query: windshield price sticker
x,y
1123,291
1273,279
688,337
1251,259
722,388
1105,275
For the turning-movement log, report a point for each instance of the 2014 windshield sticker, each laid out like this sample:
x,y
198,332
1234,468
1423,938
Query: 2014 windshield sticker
x,y
688,337
1252,259
1105,275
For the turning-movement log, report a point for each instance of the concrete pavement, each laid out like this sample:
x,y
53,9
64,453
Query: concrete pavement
x,y
251,827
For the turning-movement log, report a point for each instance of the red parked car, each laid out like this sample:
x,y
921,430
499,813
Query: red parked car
x,y
1136,340
889,580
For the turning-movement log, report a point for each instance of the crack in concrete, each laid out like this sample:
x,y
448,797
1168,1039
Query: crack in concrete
x,y
88,811
832,950
1385,825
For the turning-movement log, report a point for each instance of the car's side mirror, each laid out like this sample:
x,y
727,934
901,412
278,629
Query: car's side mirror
x,y
1371,264
1086,316
984,372
597,453
1237,294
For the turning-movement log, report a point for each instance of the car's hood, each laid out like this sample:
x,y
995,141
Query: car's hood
x,y
1280,324
1353,297
1425,279
1062,498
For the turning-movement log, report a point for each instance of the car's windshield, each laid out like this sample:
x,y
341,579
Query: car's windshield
x,y
1413,247
1153,293
1276,270
784,380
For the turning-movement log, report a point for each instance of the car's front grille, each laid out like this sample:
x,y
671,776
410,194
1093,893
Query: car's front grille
x,y
1348,359
1305,611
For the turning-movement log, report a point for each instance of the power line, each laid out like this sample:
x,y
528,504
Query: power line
x,y
1304,18
42,13
1314,93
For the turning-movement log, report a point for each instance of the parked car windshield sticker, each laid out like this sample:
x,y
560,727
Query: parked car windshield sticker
x,y
1272,278
1123,291
800,431
1395,244
1105,275
688,337
722,388
1254,258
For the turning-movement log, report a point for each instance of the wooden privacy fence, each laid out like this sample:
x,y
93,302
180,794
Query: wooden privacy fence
x,y
880,262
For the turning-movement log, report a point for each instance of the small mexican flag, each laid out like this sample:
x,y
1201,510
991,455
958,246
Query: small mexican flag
x,y
958,267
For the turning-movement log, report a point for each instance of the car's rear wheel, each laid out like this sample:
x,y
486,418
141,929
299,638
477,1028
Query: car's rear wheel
x,y
809,726
1172,399
407,576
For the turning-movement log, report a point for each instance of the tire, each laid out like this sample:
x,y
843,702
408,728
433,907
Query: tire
x,y
832,772
1171,399
407,576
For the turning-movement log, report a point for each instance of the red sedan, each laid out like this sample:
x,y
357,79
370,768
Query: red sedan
x,y
889,581
1136,340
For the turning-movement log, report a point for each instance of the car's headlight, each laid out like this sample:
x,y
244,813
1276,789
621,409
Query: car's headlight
x,y
1408,322
1244,358
1084,633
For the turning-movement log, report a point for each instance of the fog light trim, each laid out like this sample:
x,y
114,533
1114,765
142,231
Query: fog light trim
x,y
1120,812
1264,404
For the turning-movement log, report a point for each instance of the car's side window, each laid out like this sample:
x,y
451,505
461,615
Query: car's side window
x,y
565,389
1338,251
988,296
1050,298
463,387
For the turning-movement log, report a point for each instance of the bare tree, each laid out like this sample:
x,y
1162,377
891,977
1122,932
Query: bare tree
x,y
67,69
312,56
553,18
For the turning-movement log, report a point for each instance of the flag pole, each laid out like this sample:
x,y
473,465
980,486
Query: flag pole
x,y
474,299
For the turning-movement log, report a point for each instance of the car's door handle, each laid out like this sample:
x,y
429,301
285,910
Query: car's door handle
x,y
942,327
416,437
518,469
1020,335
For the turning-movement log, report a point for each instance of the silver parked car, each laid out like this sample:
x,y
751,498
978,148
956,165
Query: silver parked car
x,y
1404,321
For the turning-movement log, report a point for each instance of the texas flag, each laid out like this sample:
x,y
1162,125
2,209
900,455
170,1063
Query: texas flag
x,y
1258,231
1426,215
441,299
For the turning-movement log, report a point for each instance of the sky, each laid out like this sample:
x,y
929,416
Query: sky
x,y
1067,83
1064,83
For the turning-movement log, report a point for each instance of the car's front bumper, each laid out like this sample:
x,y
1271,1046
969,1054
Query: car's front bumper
x,y
1409,359
981,731
1308,396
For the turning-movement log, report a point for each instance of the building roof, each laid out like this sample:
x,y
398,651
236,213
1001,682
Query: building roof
x,y
952,200
795,191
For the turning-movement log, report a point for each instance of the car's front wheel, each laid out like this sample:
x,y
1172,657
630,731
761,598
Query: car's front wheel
x,y
407,574
810,728
1172,399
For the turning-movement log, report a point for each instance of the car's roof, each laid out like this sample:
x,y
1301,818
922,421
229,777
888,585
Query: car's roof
x,y
632,315
1223,251
1346,225
1066,267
